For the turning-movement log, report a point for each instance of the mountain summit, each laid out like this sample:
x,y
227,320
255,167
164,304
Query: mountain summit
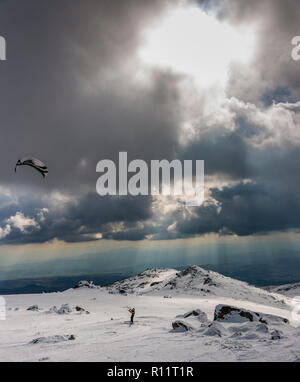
x,y
194,281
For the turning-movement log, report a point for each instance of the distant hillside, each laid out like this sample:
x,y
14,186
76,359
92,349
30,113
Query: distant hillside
x,y
54,284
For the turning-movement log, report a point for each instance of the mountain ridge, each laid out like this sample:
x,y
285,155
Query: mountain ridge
x,y
195,281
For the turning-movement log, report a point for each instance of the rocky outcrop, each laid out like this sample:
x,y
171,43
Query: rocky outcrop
x,y
34,308
197,313
85,284
64,309
79,309
215,329
233,314
181,326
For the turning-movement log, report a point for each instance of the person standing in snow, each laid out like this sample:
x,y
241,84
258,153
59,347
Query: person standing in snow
x,y
132,311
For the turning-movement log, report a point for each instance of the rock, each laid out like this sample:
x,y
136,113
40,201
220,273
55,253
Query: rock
x,y
208,281
181,326
276,335
53,339
155,283
191,270
64,309
81,310
201,316
172,284
33,308
84,284
263,328
215,329
53,309
232,314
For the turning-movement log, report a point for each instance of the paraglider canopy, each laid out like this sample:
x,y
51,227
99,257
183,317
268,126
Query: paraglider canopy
x,y
35,163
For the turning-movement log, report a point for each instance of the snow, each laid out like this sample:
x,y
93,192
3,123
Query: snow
x,y
105,334
290,290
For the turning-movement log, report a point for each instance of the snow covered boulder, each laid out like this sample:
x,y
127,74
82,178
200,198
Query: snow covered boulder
x,y
34,308
53,309
84,284
215,329
180,326
232,314
276,334
273,320
227,313
197,313
81,310
64,309
262,328
249,331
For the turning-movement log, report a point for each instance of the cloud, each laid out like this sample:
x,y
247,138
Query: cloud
x,y
4,231
22,222
78,95
272,71
86,219
243,209
83,95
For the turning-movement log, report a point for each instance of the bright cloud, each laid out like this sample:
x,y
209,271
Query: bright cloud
x,y
5,231
192,42
21,222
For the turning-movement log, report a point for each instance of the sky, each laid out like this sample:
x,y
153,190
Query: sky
x,y
191,80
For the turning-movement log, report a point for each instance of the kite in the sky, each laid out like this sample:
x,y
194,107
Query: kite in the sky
x,y
35,163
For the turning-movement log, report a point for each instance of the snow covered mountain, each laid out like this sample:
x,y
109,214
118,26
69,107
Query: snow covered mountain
x,y
190,315
290,290
193,281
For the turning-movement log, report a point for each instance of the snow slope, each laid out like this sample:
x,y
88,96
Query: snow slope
x,y
193,281
91,324
290,290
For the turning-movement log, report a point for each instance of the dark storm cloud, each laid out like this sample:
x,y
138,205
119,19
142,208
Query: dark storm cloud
x,y
69,95
273,74
246,209
222,154
267,148
75,221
